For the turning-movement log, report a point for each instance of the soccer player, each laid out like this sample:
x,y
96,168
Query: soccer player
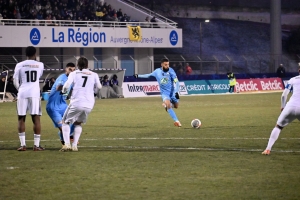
x,y
85,84
57,105
289,111
26,80
166,77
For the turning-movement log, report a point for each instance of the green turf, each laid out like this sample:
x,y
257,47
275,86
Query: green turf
x,y
129,149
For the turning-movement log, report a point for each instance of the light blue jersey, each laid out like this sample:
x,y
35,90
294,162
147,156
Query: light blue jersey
x,y
166,82
57,104
167,88
56,99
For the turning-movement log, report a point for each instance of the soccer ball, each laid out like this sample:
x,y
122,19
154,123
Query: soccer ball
x,y
196,123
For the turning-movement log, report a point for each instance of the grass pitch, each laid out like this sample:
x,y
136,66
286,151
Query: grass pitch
x,y
129,149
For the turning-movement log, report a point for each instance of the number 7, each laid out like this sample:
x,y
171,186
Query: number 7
x,y
85,79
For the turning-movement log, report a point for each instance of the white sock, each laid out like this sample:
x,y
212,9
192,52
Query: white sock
x,y
273,137
66,133
77,133
22,139
37,138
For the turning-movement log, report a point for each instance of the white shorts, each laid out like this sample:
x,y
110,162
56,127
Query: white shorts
x,y
32,105
73,114
289,114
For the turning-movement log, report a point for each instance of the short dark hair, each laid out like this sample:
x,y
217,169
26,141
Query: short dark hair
x,y
30,51
70,64
164,60
82,63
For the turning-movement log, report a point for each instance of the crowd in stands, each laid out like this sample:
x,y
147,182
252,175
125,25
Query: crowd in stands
x,y
52,10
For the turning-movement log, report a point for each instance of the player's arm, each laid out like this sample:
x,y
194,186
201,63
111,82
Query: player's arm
x,y
42,70
97,85
16,80
176,81
68,83
143,75
59,84
285,93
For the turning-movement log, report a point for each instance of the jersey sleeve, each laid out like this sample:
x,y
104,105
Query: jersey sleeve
x,y
175,80
16,73
42,70
289,85
97,82
68,83
147,75
173,76
286,91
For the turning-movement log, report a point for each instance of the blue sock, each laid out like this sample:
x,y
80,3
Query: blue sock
x,y
60,136
72,129
172,114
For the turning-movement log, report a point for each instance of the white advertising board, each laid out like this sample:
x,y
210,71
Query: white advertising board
x,y
46,36
143,89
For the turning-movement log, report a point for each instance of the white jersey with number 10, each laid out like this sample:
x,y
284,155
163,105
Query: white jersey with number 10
x,y
28,73
84,84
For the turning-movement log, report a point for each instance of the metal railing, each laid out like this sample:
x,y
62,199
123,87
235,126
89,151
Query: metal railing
x,y
213,64
70,23
148,11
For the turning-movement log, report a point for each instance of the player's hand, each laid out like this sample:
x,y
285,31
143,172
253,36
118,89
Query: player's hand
x,y
64,94
59,88
177,95
136,75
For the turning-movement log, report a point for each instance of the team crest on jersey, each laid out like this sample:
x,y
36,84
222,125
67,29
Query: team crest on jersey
x,y
164,80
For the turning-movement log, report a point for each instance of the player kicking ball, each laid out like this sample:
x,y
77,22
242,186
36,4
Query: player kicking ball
x,y
289,111
56,104
166,77
85,84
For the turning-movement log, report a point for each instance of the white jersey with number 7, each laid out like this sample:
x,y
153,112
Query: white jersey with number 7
x,y
85,84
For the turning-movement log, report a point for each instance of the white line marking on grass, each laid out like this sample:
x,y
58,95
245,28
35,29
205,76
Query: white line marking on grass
x,y
171,138
12,167
187,148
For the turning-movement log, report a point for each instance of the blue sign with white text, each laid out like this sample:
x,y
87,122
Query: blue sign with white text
x,y
173,38
35,36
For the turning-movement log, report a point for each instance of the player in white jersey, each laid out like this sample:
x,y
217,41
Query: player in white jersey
x,y
289,111
85,84
26,79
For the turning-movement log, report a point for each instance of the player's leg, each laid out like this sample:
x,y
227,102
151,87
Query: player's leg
x,y
175,103
70,116
21,130
56,117
21,110
37,132
82,118
286,117
76,136
168,104
34,107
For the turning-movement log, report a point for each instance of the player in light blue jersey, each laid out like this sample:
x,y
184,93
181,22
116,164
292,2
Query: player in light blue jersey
x,y
166,77
57,105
